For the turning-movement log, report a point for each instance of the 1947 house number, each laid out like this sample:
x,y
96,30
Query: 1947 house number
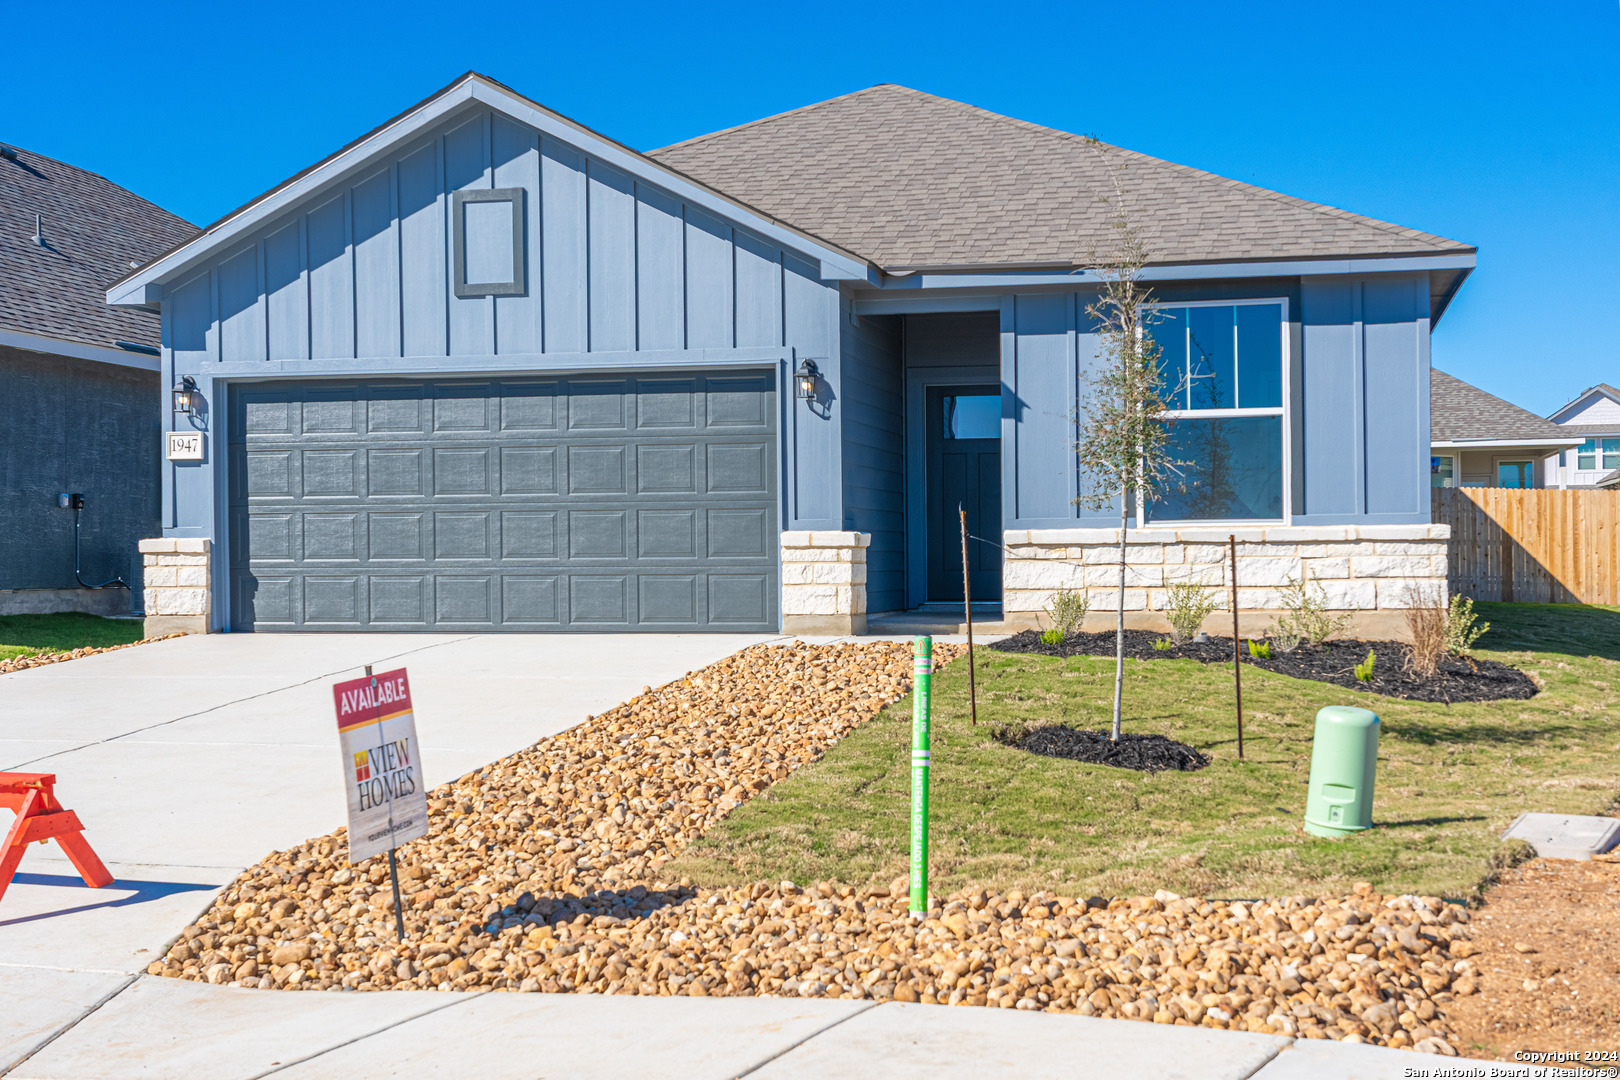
x,y
185,446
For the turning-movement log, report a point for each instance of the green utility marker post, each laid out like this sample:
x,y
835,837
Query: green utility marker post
x,y
922,677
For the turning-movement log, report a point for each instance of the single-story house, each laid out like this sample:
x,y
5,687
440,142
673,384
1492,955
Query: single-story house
x,y
487,369
1479,440
1595,416
79,388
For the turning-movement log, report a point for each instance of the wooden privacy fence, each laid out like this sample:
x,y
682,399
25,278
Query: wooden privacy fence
x,y
1551,547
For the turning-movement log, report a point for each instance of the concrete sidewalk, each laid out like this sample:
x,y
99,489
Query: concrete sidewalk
x,y
165,1028
193,758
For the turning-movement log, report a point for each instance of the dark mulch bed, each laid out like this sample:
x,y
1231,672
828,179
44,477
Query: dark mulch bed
x,y
1144,753
1333,662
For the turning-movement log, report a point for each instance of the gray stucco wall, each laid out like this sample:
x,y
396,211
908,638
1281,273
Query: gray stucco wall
x,y
75,426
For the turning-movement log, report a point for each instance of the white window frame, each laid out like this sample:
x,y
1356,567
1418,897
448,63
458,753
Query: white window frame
x,y
1285,410
1498,460
1456,475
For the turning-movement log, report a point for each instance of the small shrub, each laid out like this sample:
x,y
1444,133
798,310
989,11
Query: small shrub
x,y
1426,624
1051,637
1308,618
1067,611
1260,650
1163,644
1461,633
1364,670
1186,605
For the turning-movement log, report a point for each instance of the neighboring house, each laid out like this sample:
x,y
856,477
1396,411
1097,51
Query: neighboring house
x,y
487,369
1595,416
1479,440
79,386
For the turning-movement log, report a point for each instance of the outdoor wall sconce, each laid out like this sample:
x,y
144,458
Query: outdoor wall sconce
x,y
187,398
805,379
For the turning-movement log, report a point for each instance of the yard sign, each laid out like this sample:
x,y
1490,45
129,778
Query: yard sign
x,y
381,764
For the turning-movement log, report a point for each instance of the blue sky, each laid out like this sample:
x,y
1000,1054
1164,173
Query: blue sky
x,y
1496,124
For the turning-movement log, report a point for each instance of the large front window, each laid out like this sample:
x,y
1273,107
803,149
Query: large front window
x,y
1224,365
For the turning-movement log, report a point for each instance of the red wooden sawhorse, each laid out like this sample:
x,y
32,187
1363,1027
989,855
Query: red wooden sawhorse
x,y
41,817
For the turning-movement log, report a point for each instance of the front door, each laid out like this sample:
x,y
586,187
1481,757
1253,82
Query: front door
x,y
963,425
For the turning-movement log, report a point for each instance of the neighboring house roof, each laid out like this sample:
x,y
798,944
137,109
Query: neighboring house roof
x,y
1460,412
911,181
1569,407
92,229
1590,429
1608,480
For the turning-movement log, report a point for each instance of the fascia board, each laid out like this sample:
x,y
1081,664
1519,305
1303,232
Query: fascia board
x,y
17,339
1504,444
204,244
845,265
1189,272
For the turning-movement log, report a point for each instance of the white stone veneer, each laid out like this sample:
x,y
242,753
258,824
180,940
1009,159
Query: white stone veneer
x,y
1365,569
177,590
824,582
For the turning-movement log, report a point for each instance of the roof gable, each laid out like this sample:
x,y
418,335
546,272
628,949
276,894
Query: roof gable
x,y
910,181
1602,398
93,230
142,286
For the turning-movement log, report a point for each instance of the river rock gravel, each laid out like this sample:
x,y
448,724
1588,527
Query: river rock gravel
x,y
542,873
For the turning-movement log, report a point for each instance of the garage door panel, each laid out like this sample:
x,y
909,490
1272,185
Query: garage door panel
x,y
669,599
530,600
598,534
529,407
461,471
599,599
398,600
666,467
461,534
331,536
592,503
396,536
529,534
396,415
327,473
741,599
597,406
666,534
739,469
334,600
396,471
529,470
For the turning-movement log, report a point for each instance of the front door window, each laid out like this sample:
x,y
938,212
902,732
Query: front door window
x,y
963,474
1516,474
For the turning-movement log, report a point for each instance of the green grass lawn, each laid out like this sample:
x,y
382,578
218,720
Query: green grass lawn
x,y
1450,779
30,635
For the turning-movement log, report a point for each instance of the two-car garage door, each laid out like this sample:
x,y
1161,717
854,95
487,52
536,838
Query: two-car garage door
x,y
637,502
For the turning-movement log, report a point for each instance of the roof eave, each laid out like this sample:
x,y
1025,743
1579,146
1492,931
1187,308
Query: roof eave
x,y
1505,444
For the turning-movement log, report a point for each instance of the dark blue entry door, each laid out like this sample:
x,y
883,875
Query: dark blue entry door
x,y
964,473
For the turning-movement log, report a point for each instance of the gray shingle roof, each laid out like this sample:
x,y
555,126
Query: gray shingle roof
x,y
907,179
1461,411
93,229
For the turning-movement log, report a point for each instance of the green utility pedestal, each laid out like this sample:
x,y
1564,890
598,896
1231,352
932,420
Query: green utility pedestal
x,y
1344,758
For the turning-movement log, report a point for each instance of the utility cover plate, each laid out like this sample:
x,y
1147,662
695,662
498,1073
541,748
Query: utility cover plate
x,y
1565,836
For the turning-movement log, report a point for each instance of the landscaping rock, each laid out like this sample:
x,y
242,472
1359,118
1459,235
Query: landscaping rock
x,y
542,873
23,663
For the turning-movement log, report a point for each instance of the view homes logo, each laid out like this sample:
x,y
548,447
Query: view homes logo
x,y
377,731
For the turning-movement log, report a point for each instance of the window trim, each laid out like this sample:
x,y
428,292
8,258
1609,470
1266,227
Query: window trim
x,y
458,216
1456,476
1285,410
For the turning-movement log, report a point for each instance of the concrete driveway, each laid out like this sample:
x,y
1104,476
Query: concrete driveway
x,y
190,759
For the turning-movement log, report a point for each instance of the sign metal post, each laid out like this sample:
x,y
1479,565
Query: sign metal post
x,y
922,678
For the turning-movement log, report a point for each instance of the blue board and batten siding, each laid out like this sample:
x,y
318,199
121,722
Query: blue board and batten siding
x,y
1358,413
872,421
620,273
